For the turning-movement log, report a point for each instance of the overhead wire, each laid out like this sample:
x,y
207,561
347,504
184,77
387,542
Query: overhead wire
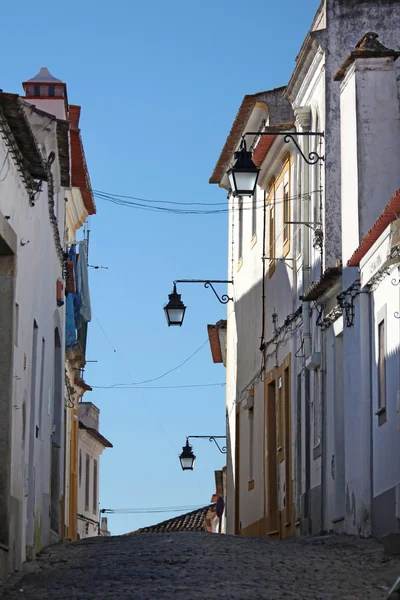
x,y
154,206
126,386
166,373
156,509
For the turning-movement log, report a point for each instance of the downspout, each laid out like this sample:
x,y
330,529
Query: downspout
x,y
323,441
303,117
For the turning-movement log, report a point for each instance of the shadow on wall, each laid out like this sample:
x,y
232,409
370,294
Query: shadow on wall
x,y
385,409
253,326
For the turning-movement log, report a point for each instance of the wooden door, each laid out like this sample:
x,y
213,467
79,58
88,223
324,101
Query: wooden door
x,y
237,472
271,459
287,510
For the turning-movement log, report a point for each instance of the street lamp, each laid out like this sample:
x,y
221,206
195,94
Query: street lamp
x,y
187,458
175,309
243,174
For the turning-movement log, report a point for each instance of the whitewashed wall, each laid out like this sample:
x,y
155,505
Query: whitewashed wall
x,y
38,269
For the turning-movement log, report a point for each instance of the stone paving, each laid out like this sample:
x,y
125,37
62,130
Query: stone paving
x,y
202,565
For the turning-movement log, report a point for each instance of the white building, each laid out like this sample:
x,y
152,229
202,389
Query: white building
x,y
306,452
90,447
34,164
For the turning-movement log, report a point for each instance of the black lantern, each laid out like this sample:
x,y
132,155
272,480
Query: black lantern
x,y
187,457
244,173
175,309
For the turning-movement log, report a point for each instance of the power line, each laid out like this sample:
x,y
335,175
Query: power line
x,y
167,372
153,205
163,509
127,386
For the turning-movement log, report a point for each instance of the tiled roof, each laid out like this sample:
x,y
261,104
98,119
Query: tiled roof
x,y
96,435
266,142
243,115
215,342
327,279
11,107
192,521
79,171
390,213
278,111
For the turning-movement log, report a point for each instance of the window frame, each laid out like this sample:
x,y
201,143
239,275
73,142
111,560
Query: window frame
x,y
286,204
240,230
271,203
87,483
95,486
254,215
381,370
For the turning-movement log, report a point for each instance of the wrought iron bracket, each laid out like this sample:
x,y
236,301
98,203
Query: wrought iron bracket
x,y
313,157
208,283
211,438
346,303
280,259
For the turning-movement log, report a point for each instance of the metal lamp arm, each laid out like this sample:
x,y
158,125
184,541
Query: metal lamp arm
x,y
224,299
211,438
313,157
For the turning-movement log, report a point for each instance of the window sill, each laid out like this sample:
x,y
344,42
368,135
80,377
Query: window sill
x,y
250,485
253,241
239,264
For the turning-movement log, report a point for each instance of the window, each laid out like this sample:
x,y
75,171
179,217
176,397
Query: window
x,y
251,444
286,214
87,482
95,502
317,416
16,323
52,91
381,368
240,242
80,468
36,90
39,428
254,214
271,249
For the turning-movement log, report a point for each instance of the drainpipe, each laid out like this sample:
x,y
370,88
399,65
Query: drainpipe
x,y
303,118
323,427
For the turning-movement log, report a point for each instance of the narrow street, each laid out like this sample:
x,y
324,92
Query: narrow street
x,y
201,565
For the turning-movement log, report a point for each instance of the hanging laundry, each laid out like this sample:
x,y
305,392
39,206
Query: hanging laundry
x,y
70,327
82,306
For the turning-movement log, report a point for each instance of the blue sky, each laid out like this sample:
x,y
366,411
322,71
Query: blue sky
x,y
159,84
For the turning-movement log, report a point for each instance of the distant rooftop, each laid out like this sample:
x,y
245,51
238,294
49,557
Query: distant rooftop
x,y
44,76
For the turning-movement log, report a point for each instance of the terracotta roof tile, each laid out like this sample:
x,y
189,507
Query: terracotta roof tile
x,y
390,213
215,343
192,521
327,279
266,142
96,435
79,171
243,115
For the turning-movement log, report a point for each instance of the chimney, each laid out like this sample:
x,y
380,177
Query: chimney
x,y
89,415
47,93
370,137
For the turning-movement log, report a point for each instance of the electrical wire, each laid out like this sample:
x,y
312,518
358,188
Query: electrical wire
x,y
154,206
166,373
157,509
127,386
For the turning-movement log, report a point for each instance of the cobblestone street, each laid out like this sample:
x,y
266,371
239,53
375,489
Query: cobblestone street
x,y
202,565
